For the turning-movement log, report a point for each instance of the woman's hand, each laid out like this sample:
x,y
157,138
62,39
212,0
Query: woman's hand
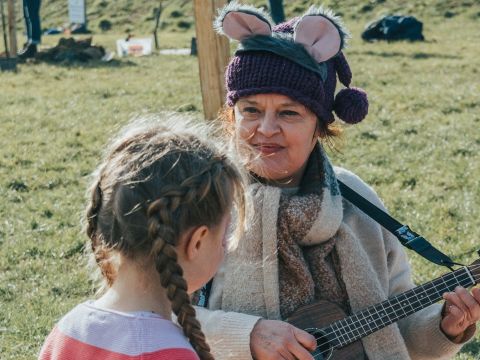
x,y
461,312
273,340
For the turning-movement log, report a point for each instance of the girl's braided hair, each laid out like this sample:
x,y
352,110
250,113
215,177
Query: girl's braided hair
x,y
158,180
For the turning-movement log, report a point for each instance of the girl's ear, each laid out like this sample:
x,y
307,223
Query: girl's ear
x,y
240,22
194,241
319,36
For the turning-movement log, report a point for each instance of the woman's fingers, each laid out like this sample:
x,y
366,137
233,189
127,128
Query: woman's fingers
x,y
476,294
307,340
275,340
299,352
472,305
286,355
304,343
455,306
462,310
466,302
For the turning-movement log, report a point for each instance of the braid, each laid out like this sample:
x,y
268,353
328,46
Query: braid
x,y
171,273
92,213
100,252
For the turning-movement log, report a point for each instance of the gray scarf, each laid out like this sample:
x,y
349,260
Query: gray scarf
x,y
312,272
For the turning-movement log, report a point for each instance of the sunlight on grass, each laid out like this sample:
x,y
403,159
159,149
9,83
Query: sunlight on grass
x,y
419,148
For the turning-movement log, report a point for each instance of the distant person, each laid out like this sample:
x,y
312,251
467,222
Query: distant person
x,y
276,11
31,14
157,220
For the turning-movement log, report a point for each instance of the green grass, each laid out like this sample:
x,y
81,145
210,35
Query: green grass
x,y
177,15
419,148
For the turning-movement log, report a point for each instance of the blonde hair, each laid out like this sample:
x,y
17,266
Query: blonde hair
x,y
157,180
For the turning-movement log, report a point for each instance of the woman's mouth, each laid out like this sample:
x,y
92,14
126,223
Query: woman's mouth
x,y
268,149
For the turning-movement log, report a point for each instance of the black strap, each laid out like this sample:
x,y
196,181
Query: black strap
x,y
404,234
204,294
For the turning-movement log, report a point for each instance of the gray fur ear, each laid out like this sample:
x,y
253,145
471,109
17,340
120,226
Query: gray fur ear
x,y
242,21
321,33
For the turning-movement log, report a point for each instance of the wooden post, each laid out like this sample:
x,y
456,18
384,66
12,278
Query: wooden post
x,y
12,31
213,56
158,13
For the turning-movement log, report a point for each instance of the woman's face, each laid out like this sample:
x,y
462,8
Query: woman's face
x,y
280,134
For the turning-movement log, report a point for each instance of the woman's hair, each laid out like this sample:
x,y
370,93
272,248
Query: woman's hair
x,y
157,180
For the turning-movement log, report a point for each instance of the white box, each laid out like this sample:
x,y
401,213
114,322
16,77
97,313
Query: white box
x,y
134,47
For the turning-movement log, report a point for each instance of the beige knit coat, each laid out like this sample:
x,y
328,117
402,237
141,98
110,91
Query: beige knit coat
x,y
246,288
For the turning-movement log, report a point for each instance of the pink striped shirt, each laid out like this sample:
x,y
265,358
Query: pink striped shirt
x,y
88,332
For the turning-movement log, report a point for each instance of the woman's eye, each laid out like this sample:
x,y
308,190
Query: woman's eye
x,y
250,113
289,113
250,110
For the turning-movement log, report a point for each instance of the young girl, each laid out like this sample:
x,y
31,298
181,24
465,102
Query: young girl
x,y
157,220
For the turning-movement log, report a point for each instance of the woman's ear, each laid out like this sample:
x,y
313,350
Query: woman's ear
x,y
242,21
319,36
194,240
318,132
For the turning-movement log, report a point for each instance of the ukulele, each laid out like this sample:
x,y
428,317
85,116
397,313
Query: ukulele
x,y
338,337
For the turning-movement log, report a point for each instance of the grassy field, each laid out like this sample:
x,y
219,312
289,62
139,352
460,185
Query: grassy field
x,y
419,148
177,15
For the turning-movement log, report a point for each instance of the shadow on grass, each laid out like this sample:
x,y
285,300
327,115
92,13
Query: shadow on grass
x,y
92,64
472,348
416,55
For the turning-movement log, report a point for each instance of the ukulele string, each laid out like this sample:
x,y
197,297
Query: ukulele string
x,y
348,331
462,277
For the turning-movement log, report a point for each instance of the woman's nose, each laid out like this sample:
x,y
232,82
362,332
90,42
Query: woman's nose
x,y
268,126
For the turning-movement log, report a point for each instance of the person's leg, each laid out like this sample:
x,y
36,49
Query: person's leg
x,y
26,17
33,13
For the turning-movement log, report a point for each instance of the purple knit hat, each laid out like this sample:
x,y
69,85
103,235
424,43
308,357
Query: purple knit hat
x,y
300,58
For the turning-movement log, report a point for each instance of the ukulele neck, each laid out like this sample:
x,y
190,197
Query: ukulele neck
x,y
376,317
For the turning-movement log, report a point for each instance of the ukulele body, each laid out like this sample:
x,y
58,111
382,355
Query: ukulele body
x,y
317,315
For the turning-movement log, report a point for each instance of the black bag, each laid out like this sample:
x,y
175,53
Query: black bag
x,y
394,27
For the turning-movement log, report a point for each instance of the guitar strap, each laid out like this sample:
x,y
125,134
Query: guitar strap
x,y
403,233
204,294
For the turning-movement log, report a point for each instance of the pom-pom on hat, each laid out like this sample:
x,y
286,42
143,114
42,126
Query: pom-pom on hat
x,y
300,58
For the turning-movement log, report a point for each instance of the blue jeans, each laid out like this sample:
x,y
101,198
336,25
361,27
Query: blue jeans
x,y
31,13
276,10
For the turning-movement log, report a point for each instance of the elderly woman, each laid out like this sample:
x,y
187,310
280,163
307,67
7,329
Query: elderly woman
x,y
305,243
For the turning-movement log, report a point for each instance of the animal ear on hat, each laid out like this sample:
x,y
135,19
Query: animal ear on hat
x,y
319,36
321,33
239,22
